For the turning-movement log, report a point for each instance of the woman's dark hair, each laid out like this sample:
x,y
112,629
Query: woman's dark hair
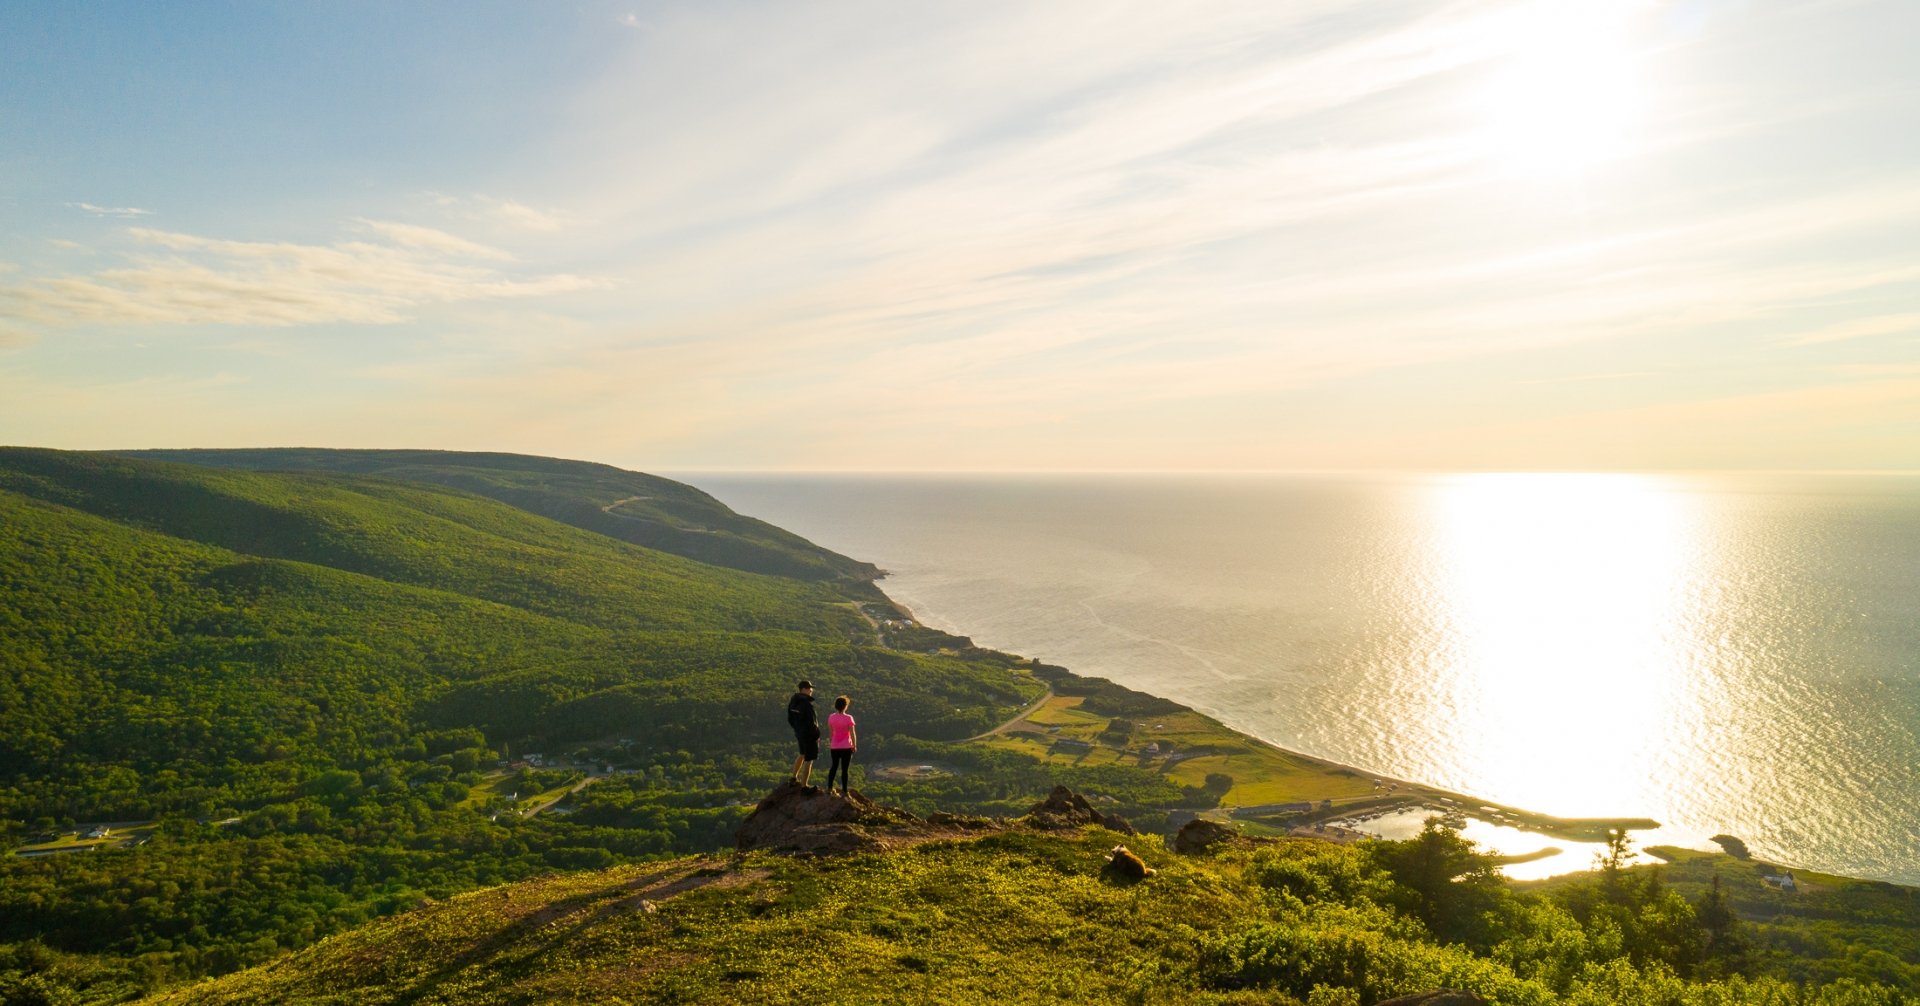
x,y
840,704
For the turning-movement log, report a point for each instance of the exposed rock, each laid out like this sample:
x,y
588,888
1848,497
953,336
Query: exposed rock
x,y
810,820
1200,836
1064,809
1438,997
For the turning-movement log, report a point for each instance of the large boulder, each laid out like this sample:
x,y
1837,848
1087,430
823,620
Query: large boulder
x,y
1200,836
807,819
1438,997
1064,809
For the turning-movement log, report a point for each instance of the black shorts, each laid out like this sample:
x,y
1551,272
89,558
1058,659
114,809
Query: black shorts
x,y
809,746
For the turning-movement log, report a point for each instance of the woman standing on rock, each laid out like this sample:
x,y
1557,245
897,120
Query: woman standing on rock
x,y
843,743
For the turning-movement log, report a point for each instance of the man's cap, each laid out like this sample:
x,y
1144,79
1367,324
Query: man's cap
x,y
805,684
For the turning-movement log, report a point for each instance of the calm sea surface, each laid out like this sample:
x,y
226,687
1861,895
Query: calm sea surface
x,y
1722,653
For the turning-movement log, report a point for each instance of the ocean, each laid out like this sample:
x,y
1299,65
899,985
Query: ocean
x,y
1722,653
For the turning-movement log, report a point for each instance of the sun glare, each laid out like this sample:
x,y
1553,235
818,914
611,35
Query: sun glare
x,y
1567,598
1565,94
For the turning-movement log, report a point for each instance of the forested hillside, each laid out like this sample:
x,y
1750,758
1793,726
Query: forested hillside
x,y
309,692
631,506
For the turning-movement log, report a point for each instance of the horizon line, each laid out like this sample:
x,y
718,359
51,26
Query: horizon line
x,y
1289,471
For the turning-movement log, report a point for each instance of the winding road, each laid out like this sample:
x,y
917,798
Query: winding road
x,y
1021,715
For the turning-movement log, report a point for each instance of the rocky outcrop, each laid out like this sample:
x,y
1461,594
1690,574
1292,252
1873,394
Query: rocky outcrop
x,y
1064,809
1438,997
1200,836
807,819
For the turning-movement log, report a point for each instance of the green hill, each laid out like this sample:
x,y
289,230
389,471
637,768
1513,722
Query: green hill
x,y
173,619
301,688
629,506
1025,917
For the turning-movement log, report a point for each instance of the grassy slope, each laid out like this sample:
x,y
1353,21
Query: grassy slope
x,y
947,922
629,506
1011,918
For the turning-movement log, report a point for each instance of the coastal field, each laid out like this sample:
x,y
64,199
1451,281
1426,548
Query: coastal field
x,y
1265,787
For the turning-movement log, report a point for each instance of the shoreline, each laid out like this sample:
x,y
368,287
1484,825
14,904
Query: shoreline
x,y
1391,794
1030,570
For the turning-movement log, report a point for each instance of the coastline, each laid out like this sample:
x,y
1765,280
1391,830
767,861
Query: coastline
x,y
1334,823
1186,589
1276,790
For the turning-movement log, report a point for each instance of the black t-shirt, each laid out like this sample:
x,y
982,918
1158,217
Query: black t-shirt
x,y
800,715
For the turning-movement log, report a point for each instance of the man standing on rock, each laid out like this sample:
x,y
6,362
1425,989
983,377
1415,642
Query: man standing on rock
x,y
806,731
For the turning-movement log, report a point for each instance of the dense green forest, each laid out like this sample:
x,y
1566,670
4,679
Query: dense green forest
x,y
631,506
359,683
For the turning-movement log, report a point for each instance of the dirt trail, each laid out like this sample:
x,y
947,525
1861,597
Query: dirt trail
x,y
1017,718
616,503
571,790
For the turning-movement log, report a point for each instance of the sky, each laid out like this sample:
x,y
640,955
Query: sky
x,y
1510,234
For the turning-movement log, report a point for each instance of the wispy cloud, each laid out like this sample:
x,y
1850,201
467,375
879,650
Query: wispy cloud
x,y
124,212
189,279
1071,233
429,239
504,212
1033,222
1860,328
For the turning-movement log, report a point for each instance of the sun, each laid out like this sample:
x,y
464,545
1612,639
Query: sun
x,y
1565,94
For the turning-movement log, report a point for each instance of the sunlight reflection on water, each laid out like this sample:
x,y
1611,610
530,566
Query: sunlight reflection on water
x,y
1564,605
1503,840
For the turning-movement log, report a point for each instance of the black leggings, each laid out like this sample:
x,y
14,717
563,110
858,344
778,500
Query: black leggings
x,y
843,764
